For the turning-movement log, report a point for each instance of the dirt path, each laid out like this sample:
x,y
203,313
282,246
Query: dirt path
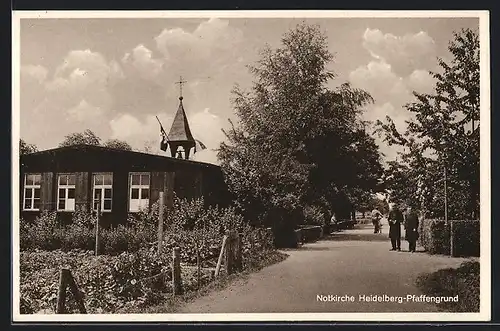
x,y
354,262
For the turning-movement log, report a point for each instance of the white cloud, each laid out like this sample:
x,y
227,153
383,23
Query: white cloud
x,y
421,81
212,44
136,132
84,112
38,73
83,75
405,53
207,127
381,82
142,60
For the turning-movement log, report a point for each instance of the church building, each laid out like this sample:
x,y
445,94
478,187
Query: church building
x,y
123,182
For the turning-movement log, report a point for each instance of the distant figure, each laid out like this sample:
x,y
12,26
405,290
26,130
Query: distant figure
x,y
395,218
411,229
376,217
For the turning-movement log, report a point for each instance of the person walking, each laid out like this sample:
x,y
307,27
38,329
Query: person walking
x,y
376,217
411,229
395,218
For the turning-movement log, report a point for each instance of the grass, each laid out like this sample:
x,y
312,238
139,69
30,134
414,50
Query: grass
x,y
462,281
172,303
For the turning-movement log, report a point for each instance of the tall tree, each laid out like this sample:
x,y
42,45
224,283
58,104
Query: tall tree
x,y
81,138
118,144
25,148
446,131
297,143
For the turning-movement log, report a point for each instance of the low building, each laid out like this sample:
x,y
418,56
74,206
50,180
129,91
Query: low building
x,y
63,179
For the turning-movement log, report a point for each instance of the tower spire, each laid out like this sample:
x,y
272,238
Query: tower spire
x,y
181,82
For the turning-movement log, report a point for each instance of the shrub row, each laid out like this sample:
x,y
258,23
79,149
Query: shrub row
x,y
189,225
112,241
435,237
310,233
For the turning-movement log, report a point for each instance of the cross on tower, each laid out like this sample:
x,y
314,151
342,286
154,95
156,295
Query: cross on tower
x,y
180,82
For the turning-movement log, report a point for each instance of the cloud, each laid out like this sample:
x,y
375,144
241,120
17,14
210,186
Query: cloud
x,y
142,59
136,130
399,66
75,96
37,73
404,53
421,81
84,112
84,75
208,57
213,41
381,82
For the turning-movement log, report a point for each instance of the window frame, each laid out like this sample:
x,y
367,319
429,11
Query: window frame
x,y
140,187
102,187
32,188
66,187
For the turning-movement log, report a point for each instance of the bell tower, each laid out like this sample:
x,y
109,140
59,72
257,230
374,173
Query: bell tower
x,y
180,134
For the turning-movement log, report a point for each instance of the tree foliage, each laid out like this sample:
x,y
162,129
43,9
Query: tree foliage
x,y
25,148
88,137
442,137
297,143
118,144
81,138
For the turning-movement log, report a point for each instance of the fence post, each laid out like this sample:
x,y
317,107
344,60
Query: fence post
x,y
452,242
221,255
97,224
239,252
76,293
61,294
176,271
229,253
160,223
198,264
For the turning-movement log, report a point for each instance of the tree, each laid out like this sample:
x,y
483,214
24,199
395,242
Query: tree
x,y
118,144
446,131
297,143
81,138
25,148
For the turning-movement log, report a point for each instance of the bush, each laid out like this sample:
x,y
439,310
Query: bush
x,y
311,233
189,225
313,215
466,238
463,281
435,237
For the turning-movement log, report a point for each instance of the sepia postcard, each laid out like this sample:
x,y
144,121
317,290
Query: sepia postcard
x,y
251,166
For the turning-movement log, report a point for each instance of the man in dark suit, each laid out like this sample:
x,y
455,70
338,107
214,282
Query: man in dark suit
x,y
395,218
411,229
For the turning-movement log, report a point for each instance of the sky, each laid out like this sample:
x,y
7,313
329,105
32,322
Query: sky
x,y
114,76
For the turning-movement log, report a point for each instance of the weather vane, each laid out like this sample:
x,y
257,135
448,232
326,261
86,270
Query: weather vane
x,y
180,82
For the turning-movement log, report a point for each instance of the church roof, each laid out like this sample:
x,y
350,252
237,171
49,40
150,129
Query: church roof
x,y
180,131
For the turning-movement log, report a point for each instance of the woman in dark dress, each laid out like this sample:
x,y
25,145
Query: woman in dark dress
x,y
411,229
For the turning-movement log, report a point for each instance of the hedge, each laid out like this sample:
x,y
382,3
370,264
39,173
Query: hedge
x,y
190,224
310,233
435,237
466,238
